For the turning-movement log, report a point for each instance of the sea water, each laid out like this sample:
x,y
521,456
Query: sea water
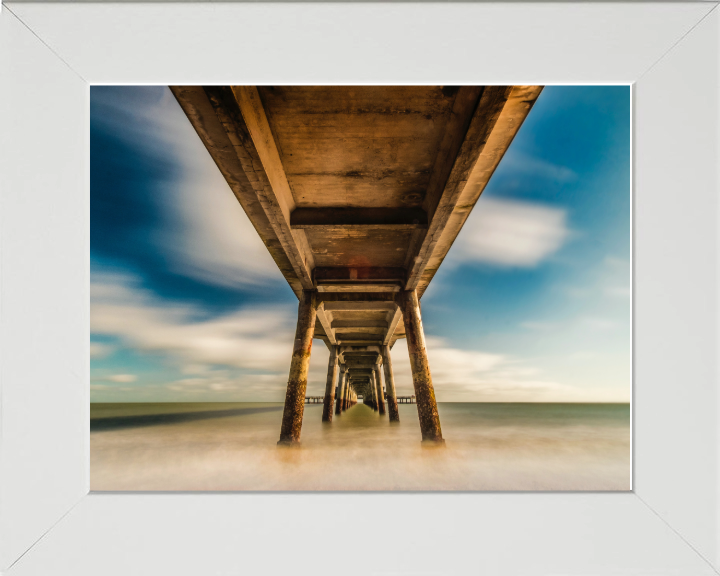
x,y
233,446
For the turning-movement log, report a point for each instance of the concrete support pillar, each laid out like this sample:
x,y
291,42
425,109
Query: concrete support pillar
x,y
331,382
378,384
299,365
422,381
390,385
341,385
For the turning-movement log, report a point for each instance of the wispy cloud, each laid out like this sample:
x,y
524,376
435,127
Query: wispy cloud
x,y
99,350
245,354
618,291
469,375
617,273
511,233
539,326
616,263
595,323
257,339
123,378
538,168
205,233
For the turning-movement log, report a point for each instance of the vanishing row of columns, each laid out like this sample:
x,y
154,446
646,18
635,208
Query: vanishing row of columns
x,y
338,378
346,396
340,374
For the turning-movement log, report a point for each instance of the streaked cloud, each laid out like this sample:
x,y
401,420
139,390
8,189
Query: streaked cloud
x,y
617,263
539,326
468,375
538,168
618,291
245,354
205,234
255,339
123,378
510,233
596,323
100,350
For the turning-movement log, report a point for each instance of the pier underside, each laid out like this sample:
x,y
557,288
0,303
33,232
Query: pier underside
x,y
358,192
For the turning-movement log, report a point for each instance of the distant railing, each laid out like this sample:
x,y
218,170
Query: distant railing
x,y
320,399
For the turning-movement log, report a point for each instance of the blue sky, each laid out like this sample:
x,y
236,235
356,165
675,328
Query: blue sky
x,y
531,304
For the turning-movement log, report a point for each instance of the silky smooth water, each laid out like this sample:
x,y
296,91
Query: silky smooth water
x,y
232,446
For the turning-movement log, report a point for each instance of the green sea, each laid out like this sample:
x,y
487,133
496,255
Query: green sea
x,y
232,446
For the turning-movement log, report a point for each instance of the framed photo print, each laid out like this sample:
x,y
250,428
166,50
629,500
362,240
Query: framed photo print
x,y
406,288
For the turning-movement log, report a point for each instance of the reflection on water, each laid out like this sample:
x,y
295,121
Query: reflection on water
x,y
232,446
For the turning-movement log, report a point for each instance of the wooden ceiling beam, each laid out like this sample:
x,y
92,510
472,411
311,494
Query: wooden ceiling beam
x,y
369,359
358,306
359,287
265,171
462,169
377,331
352,350
359,323
363,218
464,139
213,113
357,274
467,107
359,335
392,325
368,362
362,301
356,297
350,279
325,319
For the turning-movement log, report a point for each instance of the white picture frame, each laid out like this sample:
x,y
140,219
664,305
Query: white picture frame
x,y
49,522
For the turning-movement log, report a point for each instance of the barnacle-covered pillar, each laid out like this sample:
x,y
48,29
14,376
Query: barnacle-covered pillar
x,y
379,388
373,389
299,366
340,388
332,378
390,385
346,393
422,381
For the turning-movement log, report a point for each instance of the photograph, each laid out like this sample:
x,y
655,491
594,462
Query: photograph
x,y
398,288
276,273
